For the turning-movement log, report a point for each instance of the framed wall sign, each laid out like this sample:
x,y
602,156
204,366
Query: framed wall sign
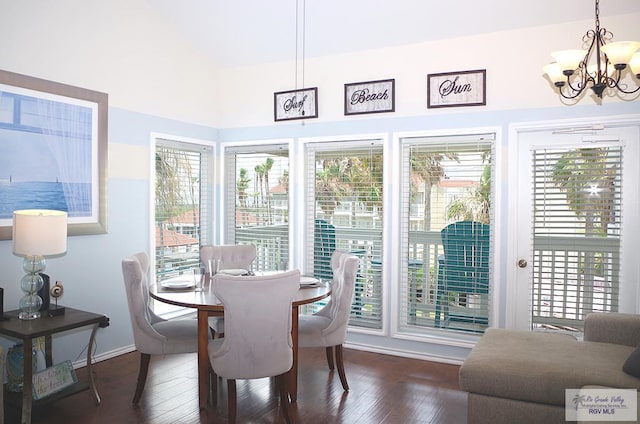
x,y
53,152
295,104
465,88
369,97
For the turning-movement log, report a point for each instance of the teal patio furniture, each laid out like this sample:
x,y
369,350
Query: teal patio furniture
x,y
463,271
324,246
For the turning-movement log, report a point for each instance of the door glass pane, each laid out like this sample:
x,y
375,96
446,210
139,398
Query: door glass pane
x,y
576,234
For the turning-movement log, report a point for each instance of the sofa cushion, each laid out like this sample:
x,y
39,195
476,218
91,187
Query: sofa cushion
x,y
632,364
538,367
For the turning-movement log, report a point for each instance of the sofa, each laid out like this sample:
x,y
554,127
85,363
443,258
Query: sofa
x,y
514,376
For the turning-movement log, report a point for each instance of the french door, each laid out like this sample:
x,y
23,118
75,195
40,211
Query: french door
x,y
574,227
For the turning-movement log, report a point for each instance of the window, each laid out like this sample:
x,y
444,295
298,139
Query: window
x,y
446,180
183,176
344,189
257,202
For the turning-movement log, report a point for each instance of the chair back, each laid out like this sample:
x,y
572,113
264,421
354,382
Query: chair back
x,y
134,271
466,257
324,245
257,313
338,309
228,256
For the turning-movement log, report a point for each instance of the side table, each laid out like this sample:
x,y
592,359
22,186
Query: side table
x,y
27,330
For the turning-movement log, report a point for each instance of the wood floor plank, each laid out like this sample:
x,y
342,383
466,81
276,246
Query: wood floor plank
x,y
383,389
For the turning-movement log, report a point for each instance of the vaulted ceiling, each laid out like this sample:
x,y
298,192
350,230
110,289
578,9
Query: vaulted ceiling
x,y
243,32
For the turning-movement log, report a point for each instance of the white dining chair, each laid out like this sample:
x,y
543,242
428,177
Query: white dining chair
x,y
226,256
257,341
328,327
152,334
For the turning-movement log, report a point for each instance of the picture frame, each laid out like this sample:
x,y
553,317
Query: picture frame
x,y
53,152
463,88
369,97
295,104
53,379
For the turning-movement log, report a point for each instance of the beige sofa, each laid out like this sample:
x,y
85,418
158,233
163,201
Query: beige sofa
x,y
521,376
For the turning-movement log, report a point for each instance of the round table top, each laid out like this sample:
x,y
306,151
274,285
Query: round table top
x,y
204,299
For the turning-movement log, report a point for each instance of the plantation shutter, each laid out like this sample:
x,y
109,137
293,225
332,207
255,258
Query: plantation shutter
x,y
576,234
257,202
345,208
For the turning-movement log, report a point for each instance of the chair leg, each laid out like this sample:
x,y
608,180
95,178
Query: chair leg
x,y
281,383
232,402
213,380
145,358
329,352
340,365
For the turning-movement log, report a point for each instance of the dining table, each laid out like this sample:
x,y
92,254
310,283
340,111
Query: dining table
x,y
200,296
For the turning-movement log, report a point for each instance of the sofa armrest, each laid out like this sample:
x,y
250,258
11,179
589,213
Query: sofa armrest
x,y
612,327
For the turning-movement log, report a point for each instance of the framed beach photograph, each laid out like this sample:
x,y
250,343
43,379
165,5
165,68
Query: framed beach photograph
x,y
464,88
369,97
295,104
53,152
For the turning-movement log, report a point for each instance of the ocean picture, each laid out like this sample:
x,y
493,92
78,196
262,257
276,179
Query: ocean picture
x,y
53,152
47,156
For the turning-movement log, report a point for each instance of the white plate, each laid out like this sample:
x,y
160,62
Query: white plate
x,y
233,271
308,281
178,284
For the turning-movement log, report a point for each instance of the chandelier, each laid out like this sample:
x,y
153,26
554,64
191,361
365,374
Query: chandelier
x,y
599,67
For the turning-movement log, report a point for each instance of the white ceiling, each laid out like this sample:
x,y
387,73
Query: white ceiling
x,y
243,32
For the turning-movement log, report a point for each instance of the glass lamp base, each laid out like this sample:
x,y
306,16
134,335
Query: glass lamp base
x,y
29,315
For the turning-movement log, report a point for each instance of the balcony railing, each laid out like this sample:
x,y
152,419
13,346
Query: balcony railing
x,y
559,299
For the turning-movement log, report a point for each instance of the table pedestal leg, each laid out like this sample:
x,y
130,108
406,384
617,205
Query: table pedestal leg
x,y
203,358
293,373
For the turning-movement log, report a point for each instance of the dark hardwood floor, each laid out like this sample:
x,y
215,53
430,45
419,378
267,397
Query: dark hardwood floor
x,y
384,389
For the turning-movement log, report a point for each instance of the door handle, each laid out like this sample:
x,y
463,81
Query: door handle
x,y
522,263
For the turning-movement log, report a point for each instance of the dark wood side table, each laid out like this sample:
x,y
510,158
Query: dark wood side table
x,y
46,326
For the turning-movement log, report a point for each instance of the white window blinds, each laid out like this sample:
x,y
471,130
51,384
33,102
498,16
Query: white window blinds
x,y
447,194
257,202
576,226
345,207
182,206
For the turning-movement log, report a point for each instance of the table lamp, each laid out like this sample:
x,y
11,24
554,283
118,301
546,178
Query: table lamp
x,y
36,233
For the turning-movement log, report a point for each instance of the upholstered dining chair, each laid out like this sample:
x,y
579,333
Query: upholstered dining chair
x,y
152,334
328,327
257,341
227,256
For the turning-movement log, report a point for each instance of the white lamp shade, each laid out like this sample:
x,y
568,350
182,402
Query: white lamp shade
x,y
634,63
39,232
620,52
554,72
569,60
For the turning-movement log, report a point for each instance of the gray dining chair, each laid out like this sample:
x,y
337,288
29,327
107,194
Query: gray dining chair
x,y
152,334
328,327
257,341
226,256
